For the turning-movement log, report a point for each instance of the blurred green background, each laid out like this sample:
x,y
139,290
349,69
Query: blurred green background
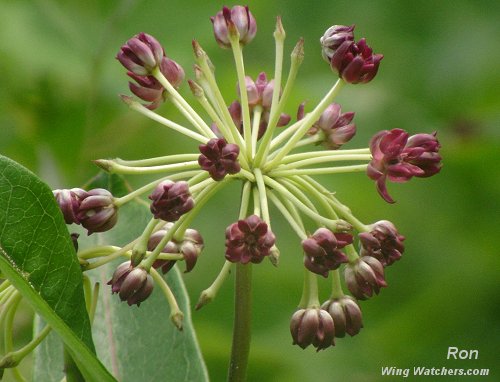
x,y
59,109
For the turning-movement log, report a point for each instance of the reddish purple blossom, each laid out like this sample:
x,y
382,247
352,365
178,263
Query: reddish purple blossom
x,y
141,54
336,127
312,327
219,158
354,62
322,251
248,240
229,21
171,200
365,277
346,315
133,285
383,242
69,202
398,157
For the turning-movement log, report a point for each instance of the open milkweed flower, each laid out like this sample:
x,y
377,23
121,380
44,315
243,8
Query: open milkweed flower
x,y
399,157
248,240
238,18
382,242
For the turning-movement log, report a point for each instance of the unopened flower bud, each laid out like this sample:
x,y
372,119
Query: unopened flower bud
x,y
364,277
69,202
219,158
333,38
97,212
335,126
229,21
312,327
346,315
382,242
248,240
171,200
141,54
322,251
133,285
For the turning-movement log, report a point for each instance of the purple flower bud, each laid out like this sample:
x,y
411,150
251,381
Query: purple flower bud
x,y
69,203
346,315
248,240
364,277
383,242
312,327
322,251
333,38
228,21
355,62
171,200
141,54
219,158
398,157
133,285
335,126
97,212
190,247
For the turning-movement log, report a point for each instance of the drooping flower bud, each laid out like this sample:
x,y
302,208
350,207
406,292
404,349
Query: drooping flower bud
x,y
382,242
335,36
141,54
69,203
346,315
133,285
312,327
364,277
219,158
248,240
322,251
171,200
97,212
355,62
335,126
398,157
190,247
229,21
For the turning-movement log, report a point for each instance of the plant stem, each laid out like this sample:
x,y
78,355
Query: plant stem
x,y
168,159
71,371
242,324
319,170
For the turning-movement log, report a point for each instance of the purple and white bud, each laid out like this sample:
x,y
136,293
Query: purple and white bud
x,y
336,127
97,212
312,327
229,21
346,315
133,285
171,200
69,202
365,277
333,38
141,54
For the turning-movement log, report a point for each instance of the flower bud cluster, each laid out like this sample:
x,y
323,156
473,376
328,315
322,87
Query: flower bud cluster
x,y
312,327
399,157
133,285
231,22
219,158
383,242
171,200
94,209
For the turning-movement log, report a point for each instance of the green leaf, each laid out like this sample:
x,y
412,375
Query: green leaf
x,y
136,343
37,256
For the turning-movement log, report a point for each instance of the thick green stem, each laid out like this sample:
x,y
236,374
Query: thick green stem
x,y
70,369
242,324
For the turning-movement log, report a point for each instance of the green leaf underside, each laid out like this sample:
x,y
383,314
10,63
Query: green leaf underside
x,y
135,343
37,256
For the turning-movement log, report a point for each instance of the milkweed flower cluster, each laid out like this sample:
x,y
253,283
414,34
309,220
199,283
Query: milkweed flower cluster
x,y
253,141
